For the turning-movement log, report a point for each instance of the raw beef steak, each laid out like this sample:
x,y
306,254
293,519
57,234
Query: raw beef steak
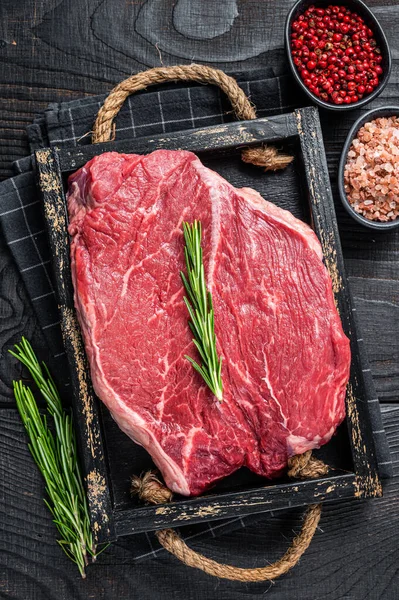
x,y
285,357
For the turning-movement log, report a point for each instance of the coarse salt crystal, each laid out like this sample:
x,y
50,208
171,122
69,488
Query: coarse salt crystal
x,y
371,175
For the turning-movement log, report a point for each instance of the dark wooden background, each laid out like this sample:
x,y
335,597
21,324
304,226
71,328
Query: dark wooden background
x,y
53,50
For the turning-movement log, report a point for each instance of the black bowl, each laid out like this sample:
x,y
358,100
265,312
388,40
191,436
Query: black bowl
x,y
361,9
386,111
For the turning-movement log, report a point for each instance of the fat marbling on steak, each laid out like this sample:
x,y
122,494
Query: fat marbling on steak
x,y
285,356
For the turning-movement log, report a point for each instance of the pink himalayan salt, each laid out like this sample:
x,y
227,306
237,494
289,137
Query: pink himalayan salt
x,y
371,175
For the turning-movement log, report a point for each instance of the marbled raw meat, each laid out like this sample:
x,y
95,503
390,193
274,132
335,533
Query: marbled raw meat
x,y
285,356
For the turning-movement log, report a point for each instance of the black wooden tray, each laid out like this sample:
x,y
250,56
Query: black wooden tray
x,y
109,458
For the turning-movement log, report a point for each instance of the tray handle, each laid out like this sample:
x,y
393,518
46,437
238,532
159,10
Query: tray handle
x,y
302,466
267,157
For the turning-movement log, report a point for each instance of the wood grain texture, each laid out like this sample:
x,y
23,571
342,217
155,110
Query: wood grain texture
x,y
352,557
16,319
375,299
52,50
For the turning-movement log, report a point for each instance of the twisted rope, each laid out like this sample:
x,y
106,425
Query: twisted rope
x,y
264,156
304,466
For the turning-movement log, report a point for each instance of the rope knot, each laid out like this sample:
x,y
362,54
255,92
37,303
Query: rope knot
x,y
149,489
267,157
306,466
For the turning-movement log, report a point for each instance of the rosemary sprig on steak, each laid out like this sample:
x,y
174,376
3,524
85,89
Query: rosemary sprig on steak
x,y
199,305
56,456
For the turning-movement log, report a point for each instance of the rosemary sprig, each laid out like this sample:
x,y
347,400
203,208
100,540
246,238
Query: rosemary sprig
x,y
199,306
56,456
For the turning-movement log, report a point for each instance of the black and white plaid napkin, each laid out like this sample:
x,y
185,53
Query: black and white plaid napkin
x,y
171,107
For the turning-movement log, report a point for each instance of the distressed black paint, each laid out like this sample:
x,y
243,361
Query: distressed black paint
x,y
86,414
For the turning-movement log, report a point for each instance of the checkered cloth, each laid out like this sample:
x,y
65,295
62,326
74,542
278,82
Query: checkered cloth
x,y
171,107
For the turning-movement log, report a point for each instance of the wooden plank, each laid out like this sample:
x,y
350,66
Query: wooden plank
x,y
326,228
377,304
17,319
36,71
211,508
217,137
40,65
352,556
85,408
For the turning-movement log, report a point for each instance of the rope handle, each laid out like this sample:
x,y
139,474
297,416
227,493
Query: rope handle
x,y
302,466
263,156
